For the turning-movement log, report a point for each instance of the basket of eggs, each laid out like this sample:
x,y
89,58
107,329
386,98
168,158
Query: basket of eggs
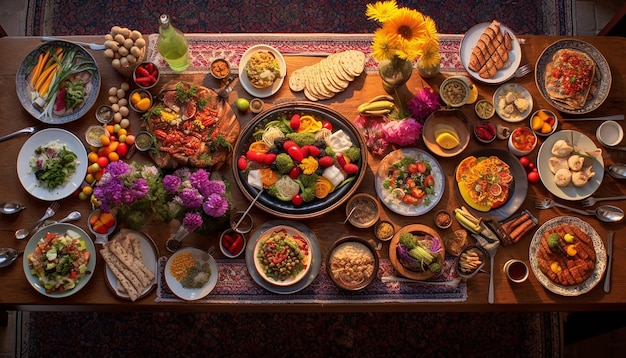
x,y
125,49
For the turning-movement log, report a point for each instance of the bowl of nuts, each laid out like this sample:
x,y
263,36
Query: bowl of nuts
x,y
352,263
455,91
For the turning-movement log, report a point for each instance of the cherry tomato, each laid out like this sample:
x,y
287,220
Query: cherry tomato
x,y
533,176
327,125
294,173
429,181
421,167
524,161
412,168
242,163
294,123
297,199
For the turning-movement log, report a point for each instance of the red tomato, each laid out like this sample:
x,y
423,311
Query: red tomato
x,y
412,168
103,161
421,167
294,173
533,177
297,199
524,161
294,123
242,163
429,181
122,149
327,125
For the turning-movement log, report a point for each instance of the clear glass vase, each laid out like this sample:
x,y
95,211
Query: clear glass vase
x,y
175,242
427,70
394,73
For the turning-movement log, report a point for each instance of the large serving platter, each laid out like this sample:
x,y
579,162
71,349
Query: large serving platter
x,y
580,142
150,255
315,252
247,85
27,177
601,257
517,193
317,207
24,88
602,66
396,204
188,293
59,228
467,45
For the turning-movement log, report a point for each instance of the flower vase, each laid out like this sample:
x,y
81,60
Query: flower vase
x,y
427,70
395,73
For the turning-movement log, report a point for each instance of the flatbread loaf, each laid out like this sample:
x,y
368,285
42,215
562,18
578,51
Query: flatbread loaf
x,y
571,78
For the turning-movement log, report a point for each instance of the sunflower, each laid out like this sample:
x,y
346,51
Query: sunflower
x,y
381,11
384,45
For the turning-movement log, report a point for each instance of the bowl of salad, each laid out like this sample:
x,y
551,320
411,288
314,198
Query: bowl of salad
x,y
62,97
417,252
59,260
282,255
409,181
308,158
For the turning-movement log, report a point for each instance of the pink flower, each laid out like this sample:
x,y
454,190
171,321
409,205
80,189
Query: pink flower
x,y
402,132
423,104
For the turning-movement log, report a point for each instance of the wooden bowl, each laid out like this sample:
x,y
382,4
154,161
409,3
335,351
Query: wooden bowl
x,y
393,257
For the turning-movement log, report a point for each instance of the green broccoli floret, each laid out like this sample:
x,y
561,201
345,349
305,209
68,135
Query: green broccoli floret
x,y
554,242
272,190
308,194
301,139
354,153
330,151
307,181
435,267
283,163
408,240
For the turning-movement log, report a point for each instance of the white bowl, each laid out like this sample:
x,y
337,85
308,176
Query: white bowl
x,y
518,91
223,247
553,126
610,133
519,152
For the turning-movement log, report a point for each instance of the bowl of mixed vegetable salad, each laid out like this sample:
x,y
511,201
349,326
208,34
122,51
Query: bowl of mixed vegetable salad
x,y
58,82
59,260
308,158
282,255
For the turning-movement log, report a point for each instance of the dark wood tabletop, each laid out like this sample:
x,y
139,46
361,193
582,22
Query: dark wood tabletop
x,y
528,296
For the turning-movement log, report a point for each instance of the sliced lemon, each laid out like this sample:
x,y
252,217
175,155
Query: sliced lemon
x,y
473,96
447,140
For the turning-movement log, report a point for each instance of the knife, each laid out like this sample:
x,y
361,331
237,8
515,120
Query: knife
x,y
617,117
609,253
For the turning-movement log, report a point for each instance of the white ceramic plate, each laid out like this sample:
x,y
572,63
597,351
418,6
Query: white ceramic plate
x,y
521,92
598,272
570,192
396,204
59,228
191,294
27,178
150,256
267,91
469,41
291,232
24,88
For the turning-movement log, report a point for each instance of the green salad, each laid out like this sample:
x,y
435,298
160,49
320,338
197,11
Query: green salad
x,y
53,164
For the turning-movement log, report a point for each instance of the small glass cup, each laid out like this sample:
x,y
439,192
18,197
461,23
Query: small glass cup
x,y
516,270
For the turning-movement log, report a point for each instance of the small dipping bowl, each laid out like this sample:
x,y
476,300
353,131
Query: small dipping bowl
x,y
485,131
220,68
366,210
520,141
484,109
516,270
228,239
544,122
104,114
102,225
443,219
467,267
256,105
384,230
455,91
246,224
610,133
143,141
352,263
146,81
93,134
140,100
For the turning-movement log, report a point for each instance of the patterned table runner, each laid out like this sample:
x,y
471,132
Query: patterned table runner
x,y
235,285
205,48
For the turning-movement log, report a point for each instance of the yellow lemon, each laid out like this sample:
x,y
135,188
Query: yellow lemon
x,y
473,94
446,140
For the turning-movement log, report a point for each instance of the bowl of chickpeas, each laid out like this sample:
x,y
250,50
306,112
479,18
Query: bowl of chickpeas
x,y
352,263
455,91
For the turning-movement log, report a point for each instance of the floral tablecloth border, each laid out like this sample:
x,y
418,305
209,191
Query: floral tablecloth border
x,y
204,48
235,285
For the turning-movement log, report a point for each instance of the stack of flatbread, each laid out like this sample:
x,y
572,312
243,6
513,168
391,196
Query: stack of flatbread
x,y
571,78
491,52
124,257
328,77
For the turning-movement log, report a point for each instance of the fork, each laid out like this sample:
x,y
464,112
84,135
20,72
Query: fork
x,y
590,201
50,211
549,203
92,46
491,246
523,70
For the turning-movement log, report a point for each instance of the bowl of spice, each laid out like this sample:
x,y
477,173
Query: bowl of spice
x,y
443,219
352,263
384,230
220,68
484,109
104,114
455,91
362,210
143,141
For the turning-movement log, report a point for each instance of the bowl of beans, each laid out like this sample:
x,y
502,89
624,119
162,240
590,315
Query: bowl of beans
x,y
362,210
352,263
282,255
455,91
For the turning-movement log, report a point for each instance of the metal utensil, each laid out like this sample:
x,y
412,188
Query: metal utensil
x,y
591,201
91,45
617,171
605,213
523,70
23,130
247,210
74,215
452,283
491,246
50,211
11,207
8,255
617,117
609,253
349,214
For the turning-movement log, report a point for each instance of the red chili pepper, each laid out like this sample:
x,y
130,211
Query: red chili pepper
x,y
150,67
143,72
236,247
228,240
143,81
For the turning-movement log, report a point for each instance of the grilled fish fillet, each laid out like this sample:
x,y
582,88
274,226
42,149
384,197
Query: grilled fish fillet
x,y
491,52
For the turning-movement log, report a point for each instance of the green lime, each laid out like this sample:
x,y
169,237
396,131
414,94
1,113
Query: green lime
x,y
242,104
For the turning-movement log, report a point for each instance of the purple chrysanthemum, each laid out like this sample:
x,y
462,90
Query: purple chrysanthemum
x,y
140,188
191,198
199,178
192,221
423,104
118,168
215,205
213,187
171,183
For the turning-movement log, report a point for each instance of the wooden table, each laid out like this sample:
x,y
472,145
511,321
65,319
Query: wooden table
x,y
529,296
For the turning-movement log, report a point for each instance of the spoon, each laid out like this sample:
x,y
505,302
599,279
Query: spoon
x,y
24,130
617,171
74,215
609,213
8,255
11,207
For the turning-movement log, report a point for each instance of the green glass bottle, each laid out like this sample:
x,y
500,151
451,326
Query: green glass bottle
x,y
172,45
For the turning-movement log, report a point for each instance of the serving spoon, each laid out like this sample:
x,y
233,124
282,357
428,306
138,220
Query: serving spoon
x,y
8,255
11,207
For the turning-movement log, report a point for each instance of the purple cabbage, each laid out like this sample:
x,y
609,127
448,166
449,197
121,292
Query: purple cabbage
x,y
406,260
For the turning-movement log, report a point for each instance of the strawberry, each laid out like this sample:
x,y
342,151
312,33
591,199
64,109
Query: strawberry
x,y
351,168
326,161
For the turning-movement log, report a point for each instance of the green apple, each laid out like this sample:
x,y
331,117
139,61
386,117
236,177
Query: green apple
x,y
242,104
